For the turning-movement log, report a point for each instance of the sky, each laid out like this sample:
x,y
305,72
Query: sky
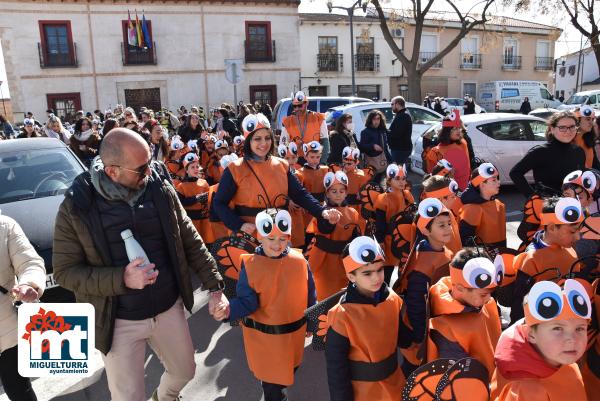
x,y
568,42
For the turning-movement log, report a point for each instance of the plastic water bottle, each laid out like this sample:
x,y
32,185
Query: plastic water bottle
x,y
133,248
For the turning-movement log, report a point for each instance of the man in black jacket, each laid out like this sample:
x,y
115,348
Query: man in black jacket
x,y
399,135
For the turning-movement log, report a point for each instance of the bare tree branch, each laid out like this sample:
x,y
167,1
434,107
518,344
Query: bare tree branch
x,y
387,34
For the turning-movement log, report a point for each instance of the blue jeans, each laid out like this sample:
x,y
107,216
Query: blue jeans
x,y
401,156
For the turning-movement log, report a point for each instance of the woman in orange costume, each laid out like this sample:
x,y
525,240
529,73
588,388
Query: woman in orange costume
x,y
453,148
249,184
274,289
536,358
325,250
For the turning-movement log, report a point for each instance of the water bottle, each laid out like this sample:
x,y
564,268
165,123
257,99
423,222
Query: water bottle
x,y
133,248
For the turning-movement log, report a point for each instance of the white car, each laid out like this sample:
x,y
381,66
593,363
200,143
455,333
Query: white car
x,y
423,118
499,138
458,103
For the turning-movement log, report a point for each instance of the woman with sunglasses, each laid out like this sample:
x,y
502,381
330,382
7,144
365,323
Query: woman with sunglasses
x,y
29,129
552,161
259,181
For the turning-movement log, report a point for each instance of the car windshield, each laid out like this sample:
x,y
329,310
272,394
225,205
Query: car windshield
x,y
577,99
38,173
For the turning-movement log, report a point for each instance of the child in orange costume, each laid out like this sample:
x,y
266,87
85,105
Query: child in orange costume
x,y
444,168
290,154
213,169
550,255
446,190
356,177
427,263
395,200
209,150
274,289
177,149
325,250
313,173
483,215
536,357
590,363
464,317
193,194
363,333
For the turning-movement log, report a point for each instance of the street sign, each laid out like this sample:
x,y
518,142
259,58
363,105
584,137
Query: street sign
x,y
233,70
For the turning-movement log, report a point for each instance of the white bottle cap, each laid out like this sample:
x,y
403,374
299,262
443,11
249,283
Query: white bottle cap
x,y
125,234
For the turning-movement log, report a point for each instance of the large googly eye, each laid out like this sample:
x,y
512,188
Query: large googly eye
x,y
192,143
190,157
220,144
355,154
250,123
572,176
364,250
293,148
499,268
479,272
586,111
238,140
264,224
487,170
283,221
453,116
588,180
447,165
263,120
314,145
568,210
212,139
578,298
392,170
430,207
305,148
300,96
347,152
281,150
545,301
328,179
341,177
453,187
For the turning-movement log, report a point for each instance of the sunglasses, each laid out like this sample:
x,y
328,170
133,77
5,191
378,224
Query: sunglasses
x,y
297,106
140,171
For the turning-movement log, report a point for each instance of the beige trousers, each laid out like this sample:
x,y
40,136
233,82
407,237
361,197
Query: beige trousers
x,y
168,335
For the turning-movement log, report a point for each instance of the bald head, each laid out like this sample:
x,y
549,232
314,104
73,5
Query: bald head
x,y
121,144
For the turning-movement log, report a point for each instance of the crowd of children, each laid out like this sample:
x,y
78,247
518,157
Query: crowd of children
x,y
449,252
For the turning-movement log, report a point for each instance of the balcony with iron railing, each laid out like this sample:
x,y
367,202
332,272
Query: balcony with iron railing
x,y
330,62
259,54
366,62
424,57
544,63
511,63
470,61
133,55
54,59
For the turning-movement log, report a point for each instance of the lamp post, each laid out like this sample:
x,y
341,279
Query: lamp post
x,y
350,11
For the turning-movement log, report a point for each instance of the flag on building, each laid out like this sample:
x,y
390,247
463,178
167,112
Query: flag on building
x,y
146,32
138,28
131,34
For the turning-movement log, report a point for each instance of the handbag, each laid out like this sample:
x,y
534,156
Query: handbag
x,y
379,162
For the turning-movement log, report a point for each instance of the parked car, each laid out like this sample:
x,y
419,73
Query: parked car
x,y
34,175
499,138
591,98
422,117
458,103
502,96
543,113
283,108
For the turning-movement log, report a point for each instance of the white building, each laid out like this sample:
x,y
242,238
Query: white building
x,y
575,73
507,49
70,55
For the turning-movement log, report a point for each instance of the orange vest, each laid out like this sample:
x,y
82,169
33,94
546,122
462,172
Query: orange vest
x,y
312,179
477,333
298,227
565,384
304,129
214,170
488,218
356,179
281,285
392,203
205,158
250,197
538,260
434,265
371,331
589,152
198,212
218,228
591,374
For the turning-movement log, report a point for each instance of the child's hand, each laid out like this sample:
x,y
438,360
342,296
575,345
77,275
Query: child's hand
x,y
222,312
331,215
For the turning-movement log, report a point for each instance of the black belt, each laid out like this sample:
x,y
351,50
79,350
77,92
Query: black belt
x,y
593,361
253,211
329,245
319,196
197,214
274,329
352,199
374,371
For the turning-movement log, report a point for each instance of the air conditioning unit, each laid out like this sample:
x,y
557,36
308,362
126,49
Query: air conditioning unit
x,y
397,32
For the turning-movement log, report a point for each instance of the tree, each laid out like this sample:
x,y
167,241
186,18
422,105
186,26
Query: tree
x,y
419,14
580,12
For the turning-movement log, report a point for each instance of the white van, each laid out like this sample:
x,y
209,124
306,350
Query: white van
x,y
591,98
508,95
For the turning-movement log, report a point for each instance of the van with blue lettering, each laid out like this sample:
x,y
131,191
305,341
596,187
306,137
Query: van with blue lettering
x,y
507,96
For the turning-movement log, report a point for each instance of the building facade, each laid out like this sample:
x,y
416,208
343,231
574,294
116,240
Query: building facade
x,y
71,55
576,73
508,49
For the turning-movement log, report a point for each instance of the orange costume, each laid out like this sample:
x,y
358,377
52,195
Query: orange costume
x,y
303,128
590,363
455,244
189,189
388,205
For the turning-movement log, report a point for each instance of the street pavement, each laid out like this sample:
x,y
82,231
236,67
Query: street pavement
x,y
222,372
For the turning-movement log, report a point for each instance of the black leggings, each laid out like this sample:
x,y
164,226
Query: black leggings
x,y
16,387
274,392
